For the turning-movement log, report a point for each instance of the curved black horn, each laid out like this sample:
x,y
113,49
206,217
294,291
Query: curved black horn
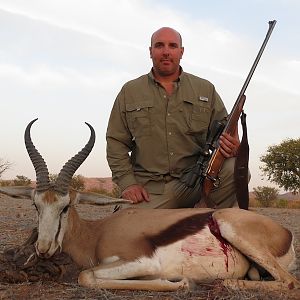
x,y
41,170
65,175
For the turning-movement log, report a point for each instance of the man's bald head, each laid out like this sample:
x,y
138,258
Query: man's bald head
x,y
166,29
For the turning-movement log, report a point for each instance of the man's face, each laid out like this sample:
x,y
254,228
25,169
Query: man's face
x,y
166,51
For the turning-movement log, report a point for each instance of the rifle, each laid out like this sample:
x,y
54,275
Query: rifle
x,y
216,161
211,160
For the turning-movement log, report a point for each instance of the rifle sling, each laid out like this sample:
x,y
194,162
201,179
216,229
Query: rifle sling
x,y
241,174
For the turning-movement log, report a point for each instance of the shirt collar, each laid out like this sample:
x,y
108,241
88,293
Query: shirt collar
x,y
151,75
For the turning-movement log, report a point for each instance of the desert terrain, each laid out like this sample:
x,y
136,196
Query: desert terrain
x,y
18,218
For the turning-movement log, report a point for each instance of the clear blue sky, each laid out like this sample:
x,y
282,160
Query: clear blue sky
x,y
64,61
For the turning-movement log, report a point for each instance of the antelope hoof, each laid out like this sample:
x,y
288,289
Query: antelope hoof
x,y
86,278
184,284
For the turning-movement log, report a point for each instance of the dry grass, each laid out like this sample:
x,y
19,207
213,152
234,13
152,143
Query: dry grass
x,y
209,291
279,203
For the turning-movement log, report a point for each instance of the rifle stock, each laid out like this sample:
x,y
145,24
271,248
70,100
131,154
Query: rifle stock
x,y
216,160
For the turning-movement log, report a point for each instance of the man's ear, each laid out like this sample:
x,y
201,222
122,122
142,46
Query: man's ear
x,y
150,51
182,51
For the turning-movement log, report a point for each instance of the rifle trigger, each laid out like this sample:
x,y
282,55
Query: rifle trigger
x,y
217,182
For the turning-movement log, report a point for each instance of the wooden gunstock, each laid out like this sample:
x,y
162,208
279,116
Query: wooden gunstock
x,y
214,166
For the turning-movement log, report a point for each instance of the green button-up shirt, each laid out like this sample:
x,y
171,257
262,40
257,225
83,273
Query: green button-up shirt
x,y
151,134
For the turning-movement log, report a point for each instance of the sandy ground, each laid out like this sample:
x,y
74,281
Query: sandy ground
x,y
18,217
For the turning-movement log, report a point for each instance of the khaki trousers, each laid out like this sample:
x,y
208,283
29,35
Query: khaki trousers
x,y
176,195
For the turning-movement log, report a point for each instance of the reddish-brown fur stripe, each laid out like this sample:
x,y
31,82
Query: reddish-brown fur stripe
x,y
178,231
50,196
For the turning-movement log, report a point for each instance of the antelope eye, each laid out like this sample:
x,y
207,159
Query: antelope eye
x,y
35,206
65,209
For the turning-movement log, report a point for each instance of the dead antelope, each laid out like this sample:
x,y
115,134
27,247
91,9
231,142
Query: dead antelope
x,y
157,249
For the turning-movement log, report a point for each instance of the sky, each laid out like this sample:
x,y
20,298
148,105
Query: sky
x,y
64,62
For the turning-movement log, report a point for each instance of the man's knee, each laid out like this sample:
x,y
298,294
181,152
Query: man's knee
x,y
227,171
224,194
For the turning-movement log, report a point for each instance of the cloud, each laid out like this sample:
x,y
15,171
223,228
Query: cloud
x,y
119,23
37,76
294,65
65,61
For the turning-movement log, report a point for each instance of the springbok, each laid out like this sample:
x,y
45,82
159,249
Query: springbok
x,y
161,249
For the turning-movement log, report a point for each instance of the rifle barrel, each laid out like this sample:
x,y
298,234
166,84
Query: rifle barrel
x,y
246,83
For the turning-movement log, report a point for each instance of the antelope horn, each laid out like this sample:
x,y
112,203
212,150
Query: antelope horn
x,y
41,170
65,175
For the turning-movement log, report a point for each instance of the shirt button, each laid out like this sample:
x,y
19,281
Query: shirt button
x,y
165,96
170,133
171,153
168,114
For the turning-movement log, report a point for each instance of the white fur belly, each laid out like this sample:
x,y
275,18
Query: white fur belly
x,y
200,257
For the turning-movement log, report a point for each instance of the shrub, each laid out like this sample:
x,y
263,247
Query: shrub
x,y
265,195
6,182
77,181
22,180
114,193
282,203
4,166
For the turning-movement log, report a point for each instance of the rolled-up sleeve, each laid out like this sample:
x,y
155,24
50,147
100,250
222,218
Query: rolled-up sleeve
x,y
119,145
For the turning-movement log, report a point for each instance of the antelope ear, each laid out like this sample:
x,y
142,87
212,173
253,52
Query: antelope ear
x,y
98,199
17,191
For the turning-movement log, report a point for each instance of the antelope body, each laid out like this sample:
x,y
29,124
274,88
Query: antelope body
x,y
158,249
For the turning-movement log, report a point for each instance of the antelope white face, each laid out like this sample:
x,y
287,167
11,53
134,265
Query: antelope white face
x,y
52,207
53,211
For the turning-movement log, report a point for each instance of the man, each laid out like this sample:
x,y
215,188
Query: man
x,y
159,124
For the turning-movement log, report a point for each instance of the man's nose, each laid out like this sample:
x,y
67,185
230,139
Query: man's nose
x,y
166,51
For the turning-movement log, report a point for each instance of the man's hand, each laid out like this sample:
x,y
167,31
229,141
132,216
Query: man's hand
x,y
229,145
135,193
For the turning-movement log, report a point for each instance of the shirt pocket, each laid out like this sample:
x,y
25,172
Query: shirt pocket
x,y
198,123
139,118
197,117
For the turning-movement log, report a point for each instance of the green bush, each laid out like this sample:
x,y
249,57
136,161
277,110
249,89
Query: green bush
x,y
265,195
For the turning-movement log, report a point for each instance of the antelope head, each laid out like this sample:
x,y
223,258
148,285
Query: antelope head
x,y
53,200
